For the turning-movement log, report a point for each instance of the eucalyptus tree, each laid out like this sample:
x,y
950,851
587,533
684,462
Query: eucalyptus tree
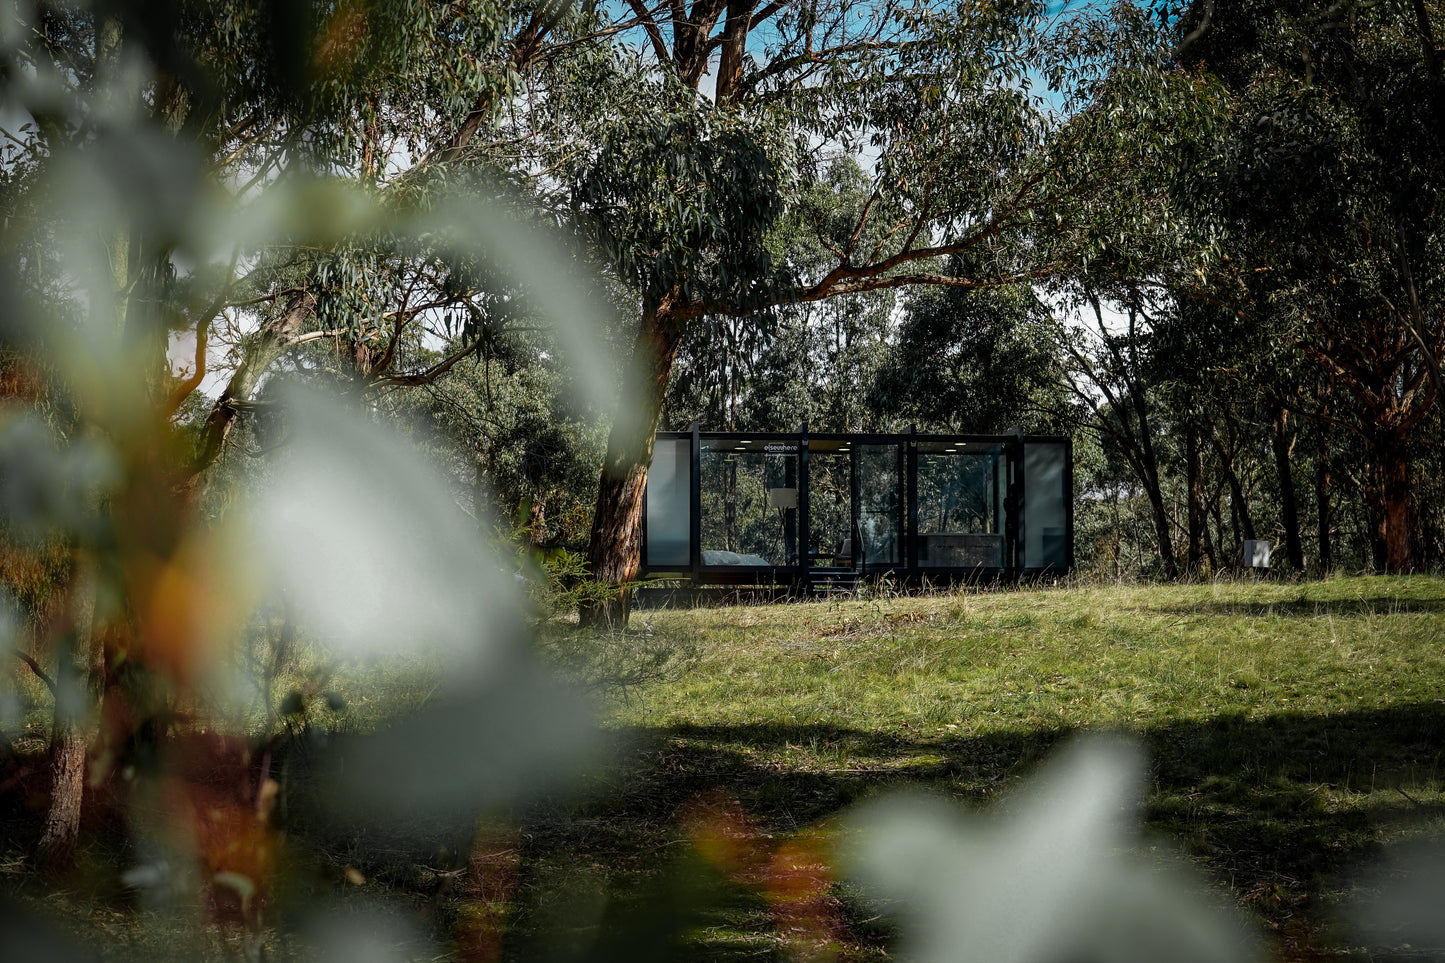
x,y
395,97
680,198
1112,373
788,364
1330,181
973,361
177,167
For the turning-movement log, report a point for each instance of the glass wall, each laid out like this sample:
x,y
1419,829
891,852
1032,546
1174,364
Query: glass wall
x,y
669,504
749,503
880,506
830,505
1046,507
917,505
961,505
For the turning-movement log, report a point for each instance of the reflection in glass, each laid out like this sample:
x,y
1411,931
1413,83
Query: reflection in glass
x,y
830,510
880,499
867,509
961,506
749,506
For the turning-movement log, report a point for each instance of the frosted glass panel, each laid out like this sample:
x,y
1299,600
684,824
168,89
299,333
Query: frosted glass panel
x,y
1046,516
669,503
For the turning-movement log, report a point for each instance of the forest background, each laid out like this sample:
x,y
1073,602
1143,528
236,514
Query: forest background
x,y
1202,240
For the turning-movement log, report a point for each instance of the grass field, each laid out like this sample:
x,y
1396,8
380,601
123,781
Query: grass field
x,y
1293,732
1293,729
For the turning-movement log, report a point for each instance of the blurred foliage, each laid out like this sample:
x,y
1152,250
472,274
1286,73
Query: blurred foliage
x,y
295,196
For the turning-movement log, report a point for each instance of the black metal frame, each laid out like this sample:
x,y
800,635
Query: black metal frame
x,y
908,568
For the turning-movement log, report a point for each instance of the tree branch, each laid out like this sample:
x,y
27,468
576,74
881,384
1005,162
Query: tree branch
x,y
39,672
1427,37
275,337
649,24
1199,31
431,374
185,386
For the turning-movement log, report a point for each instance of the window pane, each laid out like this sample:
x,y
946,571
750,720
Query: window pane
x,y
1046,515
880,488
830,509
669,504
749,504
960,506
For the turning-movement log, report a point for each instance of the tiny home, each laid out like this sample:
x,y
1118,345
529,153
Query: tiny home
x,y
806,509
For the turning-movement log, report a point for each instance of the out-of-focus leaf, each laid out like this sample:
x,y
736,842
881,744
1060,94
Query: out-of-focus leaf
x,y
539,268
368,542
11,27
1401,901
142,181
1050,879
46,486
325,212
506,740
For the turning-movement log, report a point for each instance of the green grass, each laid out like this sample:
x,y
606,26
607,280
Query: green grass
x,y
1292,728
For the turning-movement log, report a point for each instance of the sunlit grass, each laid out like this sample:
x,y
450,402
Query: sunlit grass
x,y
1094,657
1293,731
1294,728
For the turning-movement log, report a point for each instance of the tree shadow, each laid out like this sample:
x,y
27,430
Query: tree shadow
x,y
1308,608
1280,808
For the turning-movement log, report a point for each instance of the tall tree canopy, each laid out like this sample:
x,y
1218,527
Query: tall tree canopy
x,y
1328,180
963,161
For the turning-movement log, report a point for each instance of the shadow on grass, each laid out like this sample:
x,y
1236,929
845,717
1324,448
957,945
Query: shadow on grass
x,y
1308,608
1282,808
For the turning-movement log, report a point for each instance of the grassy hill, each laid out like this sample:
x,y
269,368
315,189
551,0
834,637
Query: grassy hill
x,y
1293,732
1292,729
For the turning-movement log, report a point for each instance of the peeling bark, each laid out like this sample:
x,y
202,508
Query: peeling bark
x,y
1391,536
614,549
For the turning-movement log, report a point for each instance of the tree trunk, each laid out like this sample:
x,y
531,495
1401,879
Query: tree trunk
x,y
79,684
70,740
273,340
734,49
1214,545
80,672
1391,538
1288,507
1323,486
1244,521
537,522
614,550
1160,514
1149,475
1194,469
